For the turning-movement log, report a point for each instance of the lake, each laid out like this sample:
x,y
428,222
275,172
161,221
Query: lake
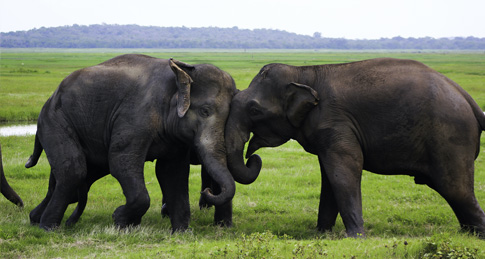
x,y
17,130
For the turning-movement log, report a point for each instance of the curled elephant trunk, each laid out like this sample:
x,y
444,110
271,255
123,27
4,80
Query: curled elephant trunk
x,y
213,158
5,188
237,134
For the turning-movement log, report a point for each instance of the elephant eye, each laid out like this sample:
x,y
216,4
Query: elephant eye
x,y
204,112
253,111
254,108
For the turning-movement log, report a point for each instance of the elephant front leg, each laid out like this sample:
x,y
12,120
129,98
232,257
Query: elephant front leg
x,y
223,215
173,177
344,172
328,209
129,173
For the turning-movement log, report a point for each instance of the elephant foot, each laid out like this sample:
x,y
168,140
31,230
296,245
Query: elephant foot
x,y
227,223
71,221
324,228
223,215
122,220
474,230
34,217
355,234
223,219
181,229
49,226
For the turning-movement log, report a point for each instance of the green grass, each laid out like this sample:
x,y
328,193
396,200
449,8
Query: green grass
x,y
275,217
27,79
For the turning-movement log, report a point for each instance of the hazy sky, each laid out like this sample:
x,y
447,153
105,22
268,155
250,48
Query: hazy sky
x,y
351,19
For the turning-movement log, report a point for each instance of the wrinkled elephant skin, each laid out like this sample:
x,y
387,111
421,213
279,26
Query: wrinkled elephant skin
x,y
387,116
5,188
112,117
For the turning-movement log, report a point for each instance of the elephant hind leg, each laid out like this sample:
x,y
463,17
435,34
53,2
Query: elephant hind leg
x,y
459,193
67,184
68,172
467,210
54,211
37,212
94,174
81,205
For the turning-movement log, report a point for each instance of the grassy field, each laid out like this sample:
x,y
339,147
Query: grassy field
x,y
275,217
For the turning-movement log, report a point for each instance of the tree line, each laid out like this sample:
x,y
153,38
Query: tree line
x,y
135,36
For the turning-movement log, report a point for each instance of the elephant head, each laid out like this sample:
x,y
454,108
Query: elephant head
x,y
203,103
5,188
273,107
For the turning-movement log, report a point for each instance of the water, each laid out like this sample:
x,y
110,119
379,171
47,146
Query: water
x,y
17,130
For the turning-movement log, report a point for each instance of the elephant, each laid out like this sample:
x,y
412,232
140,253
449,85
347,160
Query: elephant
x,y
5,188
387,116
112,117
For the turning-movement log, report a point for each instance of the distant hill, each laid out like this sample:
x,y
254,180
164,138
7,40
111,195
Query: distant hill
x,y
135,36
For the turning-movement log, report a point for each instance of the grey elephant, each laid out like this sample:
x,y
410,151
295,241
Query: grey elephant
x,y
5,188
387,116
112,117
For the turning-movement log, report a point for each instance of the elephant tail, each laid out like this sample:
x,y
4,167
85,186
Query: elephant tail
x,y
34,158
477,111
480,116
5,188
8,192
481,120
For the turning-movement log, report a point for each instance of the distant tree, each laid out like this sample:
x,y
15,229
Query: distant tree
x,y
135,36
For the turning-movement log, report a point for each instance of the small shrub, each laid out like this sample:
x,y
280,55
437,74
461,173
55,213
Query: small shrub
x,y
446,249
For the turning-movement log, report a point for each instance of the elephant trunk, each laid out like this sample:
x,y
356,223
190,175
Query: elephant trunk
x,y
5,188
237,134
213,158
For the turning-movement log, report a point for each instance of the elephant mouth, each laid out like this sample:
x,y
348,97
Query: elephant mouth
x,y
256,143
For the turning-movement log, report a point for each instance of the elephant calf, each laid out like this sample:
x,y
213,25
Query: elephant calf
x,y
112,117
5,188
387,116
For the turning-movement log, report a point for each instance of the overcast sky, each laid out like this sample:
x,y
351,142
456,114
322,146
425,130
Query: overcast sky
x,y
350,19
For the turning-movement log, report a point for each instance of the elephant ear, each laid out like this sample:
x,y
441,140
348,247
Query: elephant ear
x,y
300,99
183,84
